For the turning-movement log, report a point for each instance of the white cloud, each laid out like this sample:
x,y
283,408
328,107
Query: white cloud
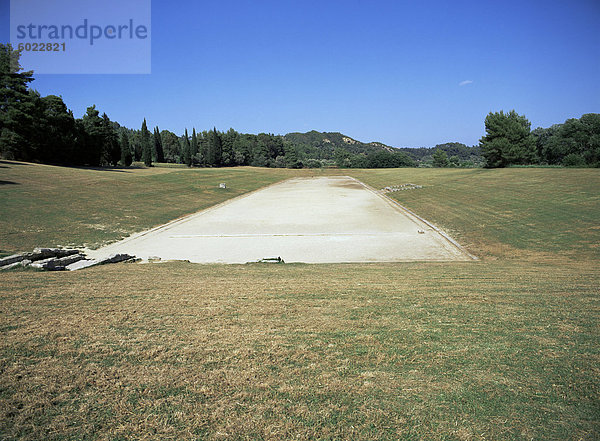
x,y
464,83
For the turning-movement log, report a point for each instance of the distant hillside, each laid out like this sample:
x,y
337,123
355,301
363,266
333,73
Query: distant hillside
x,y
326,142
322,145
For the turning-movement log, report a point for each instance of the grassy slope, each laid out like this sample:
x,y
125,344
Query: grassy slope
x,y
506,348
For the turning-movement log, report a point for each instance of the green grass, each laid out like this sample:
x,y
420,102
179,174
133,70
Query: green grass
x,y
503,348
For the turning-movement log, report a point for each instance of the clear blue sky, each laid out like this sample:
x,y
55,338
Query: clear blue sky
x,y
388,71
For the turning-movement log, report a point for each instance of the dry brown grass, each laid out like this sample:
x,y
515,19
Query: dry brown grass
x,y
389,351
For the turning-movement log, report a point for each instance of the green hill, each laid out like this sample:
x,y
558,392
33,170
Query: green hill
x,y
323,145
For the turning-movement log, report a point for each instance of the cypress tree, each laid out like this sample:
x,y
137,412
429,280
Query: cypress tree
x,y
146,148
153,145
158,148
194,146
187,150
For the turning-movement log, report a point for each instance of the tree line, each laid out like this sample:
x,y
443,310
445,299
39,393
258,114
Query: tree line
x,y
42,129
510,141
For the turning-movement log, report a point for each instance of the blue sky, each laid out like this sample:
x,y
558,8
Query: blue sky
x,y
405,73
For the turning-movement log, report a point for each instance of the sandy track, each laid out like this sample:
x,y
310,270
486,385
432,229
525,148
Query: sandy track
x,y
316,220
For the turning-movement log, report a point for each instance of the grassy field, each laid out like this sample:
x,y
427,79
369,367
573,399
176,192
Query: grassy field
x,y
506,213
503,348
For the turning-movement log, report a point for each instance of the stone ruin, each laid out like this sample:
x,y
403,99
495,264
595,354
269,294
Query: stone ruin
x,y
401,188
58,259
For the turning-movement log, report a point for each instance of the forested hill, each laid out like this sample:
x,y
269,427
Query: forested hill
x,y
327,142
322,145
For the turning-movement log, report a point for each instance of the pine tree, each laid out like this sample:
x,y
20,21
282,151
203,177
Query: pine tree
x,y
146,148
158,148
126,158
16,106
508,140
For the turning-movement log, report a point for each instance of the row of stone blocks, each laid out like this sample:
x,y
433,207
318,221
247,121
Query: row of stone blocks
x,y
58,259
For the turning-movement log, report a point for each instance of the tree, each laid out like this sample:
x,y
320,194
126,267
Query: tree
x,y
215,150
93,140
52,139
194,143
158,147
260,155
171,146
573,160
545,149
342,157
186,149
135,140
194,146
242,147
111,149
440,158
126,158
359,161
228,139
572,142
508,140
273,143
146,147
16,106
385,159
291,158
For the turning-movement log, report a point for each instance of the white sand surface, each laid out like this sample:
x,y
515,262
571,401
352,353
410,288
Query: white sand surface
x,y
311,220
